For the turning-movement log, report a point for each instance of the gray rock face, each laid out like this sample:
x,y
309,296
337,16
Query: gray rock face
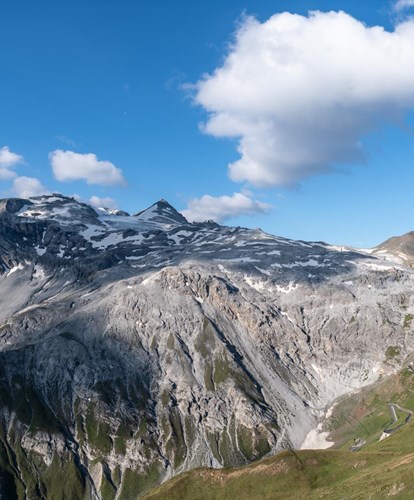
x,y
136,347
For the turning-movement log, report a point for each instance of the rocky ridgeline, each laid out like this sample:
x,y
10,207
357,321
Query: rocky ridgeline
x,y
136,347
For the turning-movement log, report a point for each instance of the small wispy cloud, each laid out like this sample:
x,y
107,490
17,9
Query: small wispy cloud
x,y
8,160
401,5
105,202
67,141
70,166
221,208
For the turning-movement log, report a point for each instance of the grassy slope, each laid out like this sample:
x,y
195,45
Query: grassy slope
x,y
381,469
364,415
385,469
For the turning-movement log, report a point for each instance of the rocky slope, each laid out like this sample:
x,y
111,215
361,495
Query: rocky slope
x,y
136,347
401,247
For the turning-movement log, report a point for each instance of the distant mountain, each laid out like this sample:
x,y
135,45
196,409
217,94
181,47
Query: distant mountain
x,y
133,348
161,212
400,246
111,211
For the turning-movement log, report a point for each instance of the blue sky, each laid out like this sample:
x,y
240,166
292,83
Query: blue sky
x,y
113,80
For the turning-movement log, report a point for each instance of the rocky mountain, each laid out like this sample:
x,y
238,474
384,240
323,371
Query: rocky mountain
x,y
133,348
402,247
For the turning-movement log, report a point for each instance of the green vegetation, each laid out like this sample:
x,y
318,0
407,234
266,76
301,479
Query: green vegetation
x,y
98,432
222,370
392,352
61,480
108,492
165,398
208,376
246,442
380,469
407,320
213,441
365,414
120,440
135,483
25,474
64,480
176,446
205,341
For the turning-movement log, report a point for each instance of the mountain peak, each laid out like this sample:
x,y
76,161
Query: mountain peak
x,y
161,212
400,246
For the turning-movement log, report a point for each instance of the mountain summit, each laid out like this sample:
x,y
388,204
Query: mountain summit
x,y
161,212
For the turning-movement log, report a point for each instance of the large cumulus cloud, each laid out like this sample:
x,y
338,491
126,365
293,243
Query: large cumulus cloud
x,y
301,92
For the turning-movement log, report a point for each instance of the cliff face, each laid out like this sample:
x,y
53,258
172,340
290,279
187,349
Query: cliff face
x,y
136,347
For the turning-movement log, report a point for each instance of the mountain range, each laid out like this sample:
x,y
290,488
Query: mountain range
x,y
137,347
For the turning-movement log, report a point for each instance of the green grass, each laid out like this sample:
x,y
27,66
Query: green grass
x,y
176,446
365,414
136,483
208,376
222,370
60,480
206,339
63,480
407,320
392,352
98,432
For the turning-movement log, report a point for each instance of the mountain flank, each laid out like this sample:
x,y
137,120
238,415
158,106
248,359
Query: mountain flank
x,y
135,348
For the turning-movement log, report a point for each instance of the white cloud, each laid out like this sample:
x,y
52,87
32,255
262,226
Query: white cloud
x,y
8,160
301,92
67,140
70,166
221,208
25,187
106,202
403,4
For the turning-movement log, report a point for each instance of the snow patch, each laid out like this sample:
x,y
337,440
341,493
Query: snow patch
x,y
384,435
40,251
288,288
39,273
263,271
256,284
316,439
238,259
150,279
14,269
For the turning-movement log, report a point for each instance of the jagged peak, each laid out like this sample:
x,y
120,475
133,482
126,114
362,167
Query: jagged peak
x,y
161,211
